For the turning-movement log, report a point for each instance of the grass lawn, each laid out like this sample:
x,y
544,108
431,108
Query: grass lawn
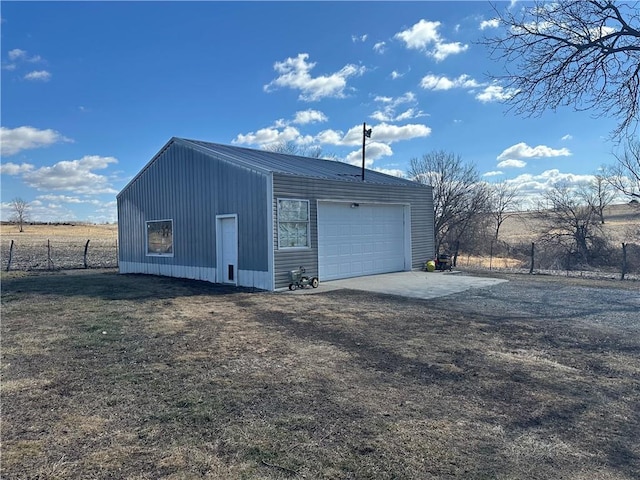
x,y
141,377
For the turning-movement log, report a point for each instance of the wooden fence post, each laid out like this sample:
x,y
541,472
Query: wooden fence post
x,y
455,255
491,256
624,261
49,262
86,247
533,252
10,255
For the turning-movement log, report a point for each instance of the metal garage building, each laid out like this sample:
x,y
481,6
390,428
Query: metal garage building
x,y
247,217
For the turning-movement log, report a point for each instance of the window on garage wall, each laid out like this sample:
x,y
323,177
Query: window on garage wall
x,y
293,223
160,238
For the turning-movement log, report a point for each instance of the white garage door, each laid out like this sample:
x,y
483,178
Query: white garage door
x,y
360,240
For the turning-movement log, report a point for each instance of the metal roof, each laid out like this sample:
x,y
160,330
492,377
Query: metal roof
x,y
268,162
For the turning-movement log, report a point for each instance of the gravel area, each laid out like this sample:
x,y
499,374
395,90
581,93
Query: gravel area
x,y
555,298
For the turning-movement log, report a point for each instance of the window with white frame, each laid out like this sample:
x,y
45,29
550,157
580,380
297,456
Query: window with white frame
x,y
293,223
160,237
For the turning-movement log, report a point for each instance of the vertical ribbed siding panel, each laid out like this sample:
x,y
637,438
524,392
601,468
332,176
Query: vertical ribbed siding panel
x,y
419,197
191,189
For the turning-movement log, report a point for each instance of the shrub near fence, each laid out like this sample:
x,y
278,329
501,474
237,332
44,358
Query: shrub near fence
x,y
58,253
622,262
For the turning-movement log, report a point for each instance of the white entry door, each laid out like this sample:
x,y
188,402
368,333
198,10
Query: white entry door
x,y
227,248
360,239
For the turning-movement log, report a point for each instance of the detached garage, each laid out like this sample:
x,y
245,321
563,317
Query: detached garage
x,y
247,217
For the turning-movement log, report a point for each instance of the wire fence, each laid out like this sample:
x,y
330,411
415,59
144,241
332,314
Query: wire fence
x,y
58,254
621,263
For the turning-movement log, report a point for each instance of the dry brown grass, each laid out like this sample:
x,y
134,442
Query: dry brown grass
x,y
66,242
138,377
50,231
621,225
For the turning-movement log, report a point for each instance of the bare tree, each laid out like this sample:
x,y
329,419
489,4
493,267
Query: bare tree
x,y
20,209
503,203
599,194
292,148
458,194
579,53
624,176
571,222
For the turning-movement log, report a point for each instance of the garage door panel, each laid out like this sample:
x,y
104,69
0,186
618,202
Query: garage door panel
x,y
359,241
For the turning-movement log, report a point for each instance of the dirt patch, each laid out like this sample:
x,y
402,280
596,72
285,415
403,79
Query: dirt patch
x,y
131,376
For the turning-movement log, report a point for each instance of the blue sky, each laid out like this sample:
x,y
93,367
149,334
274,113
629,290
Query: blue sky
x,y
92,90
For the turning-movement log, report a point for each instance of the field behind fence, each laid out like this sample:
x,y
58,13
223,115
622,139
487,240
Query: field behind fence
x,y
628,269
57,246
520,245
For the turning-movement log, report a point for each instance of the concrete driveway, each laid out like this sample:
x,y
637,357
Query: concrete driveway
x,y
416,284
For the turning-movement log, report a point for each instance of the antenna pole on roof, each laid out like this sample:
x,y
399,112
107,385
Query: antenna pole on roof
x,y
365,134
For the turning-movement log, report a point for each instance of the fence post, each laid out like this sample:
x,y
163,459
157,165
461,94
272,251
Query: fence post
x,y
491,256
624,261
455,255
533,252
10,255
86,247
49,262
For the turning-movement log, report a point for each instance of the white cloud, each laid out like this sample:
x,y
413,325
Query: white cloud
x,y
68,199
424,36
309,116
512,163
295,74
15,140
73,175
386,133
531,187
495,93
17,54
599,32
359,38
39,75
394,172
373,152
409,114
269,136
379,47
522,150
434,82
567,137
493,23
420,35
493,173
15,169
443,50
9,66
395,75
387,112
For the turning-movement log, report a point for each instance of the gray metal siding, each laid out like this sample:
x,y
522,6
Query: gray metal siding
x,y
419,197
192,188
